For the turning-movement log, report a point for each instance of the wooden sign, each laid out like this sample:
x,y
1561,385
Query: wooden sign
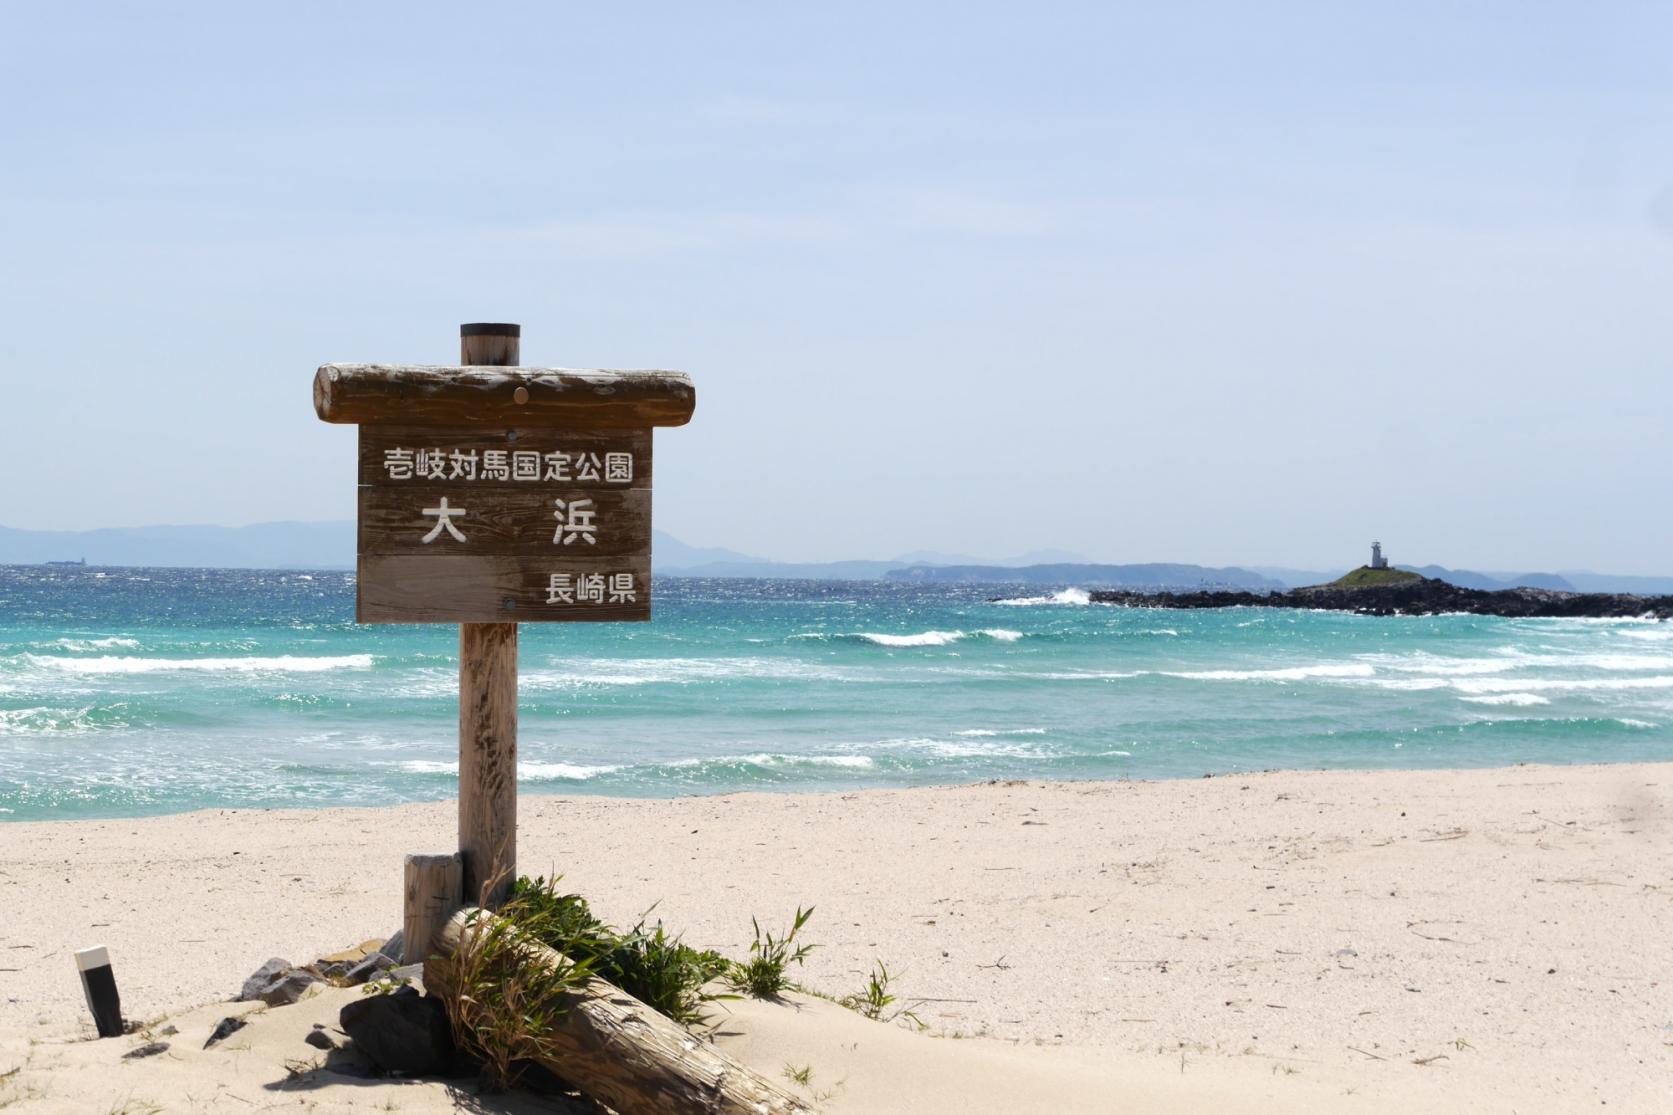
x,y
501,494
493,495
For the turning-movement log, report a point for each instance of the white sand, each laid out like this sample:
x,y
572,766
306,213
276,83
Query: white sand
x,y
1289,941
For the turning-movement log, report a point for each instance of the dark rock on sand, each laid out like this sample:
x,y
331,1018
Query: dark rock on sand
x,y
402,1032
261,977
224,1029
287,988
149,1049
370,968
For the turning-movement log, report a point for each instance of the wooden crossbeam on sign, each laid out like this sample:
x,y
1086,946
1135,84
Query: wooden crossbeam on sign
x,y
423,394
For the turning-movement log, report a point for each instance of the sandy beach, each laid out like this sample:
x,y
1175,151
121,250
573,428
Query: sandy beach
x,y
1484,940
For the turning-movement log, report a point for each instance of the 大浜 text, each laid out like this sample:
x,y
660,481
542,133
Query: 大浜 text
x,y
509,465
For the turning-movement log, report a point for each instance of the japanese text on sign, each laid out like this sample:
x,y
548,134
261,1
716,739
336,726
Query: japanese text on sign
x,y
591,588
508,465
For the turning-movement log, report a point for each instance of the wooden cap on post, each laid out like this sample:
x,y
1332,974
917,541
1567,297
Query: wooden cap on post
x,y
496,343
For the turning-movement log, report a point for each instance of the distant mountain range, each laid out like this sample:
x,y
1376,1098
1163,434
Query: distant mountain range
x,y
1087,575
330,545
261,546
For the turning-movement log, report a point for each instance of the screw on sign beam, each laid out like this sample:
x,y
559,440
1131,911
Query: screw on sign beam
x,y
491,495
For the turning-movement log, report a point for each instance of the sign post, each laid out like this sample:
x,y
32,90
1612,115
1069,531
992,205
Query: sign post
x,y
492,494
488,700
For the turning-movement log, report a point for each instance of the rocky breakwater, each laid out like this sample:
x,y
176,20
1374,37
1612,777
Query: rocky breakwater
x,y
1420,596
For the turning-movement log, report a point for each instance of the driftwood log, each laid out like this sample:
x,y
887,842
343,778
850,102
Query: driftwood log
x,y
626,1055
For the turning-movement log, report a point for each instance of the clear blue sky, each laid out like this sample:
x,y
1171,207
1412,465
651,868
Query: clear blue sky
x,y
1199,282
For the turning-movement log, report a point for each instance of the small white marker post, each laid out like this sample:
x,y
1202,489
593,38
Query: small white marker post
x,y
98,982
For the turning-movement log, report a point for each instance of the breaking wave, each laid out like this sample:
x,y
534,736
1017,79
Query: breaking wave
x,y
1073,596
526,772
937,638
1287,673
112,642
284,663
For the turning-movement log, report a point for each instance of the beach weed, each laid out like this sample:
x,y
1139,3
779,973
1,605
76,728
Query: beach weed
x,y
874,1002
764,974
655,967
875,999
798,1075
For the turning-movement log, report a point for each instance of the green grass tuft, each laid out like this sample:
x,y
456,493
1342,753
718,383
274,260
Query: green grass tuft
x,y
648,963
1365,576
765,974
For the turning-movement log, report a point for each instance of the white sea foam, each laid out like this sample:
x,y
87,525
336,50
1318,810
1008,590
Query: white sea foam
x,y
29,721
985,733
1436,664
112,642
921,639
965,747
576,673
1659,634
851,762
1519,699
1410,685
1072,596
1631,722
548,772
1001,634
1287,673
972,749
284,663
526,772
1513,685
776,759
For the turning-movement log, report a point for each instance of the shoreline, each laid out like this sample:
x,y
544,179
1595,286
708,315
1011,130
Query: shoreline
x,y
1342,924
534,789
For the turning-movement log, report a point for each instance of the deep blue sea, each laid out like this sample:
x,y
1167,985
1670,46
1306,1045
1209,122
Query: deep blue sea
x,y
135,691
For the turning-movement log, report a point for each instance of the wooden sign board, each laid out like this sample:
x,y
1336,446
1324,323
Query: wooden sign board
x,y
522,525
467,518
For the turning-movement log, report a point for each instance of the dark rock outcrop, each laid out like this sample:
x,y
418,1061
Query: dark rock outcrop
x,y
1424,597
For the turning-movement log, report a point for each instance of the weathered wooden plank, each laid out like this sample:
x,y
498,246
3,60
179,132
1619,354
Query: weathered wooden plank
x,y
429,395
536,524
488,760
622,1053
532,455
424,588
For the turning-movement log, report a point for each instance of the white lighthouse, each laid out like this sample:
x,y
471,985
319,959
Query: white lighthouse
x,y
1377,559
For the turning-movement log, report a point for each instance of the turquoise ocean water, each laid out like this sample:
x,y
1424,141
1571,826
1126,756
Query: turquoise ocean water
x,y
133,691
